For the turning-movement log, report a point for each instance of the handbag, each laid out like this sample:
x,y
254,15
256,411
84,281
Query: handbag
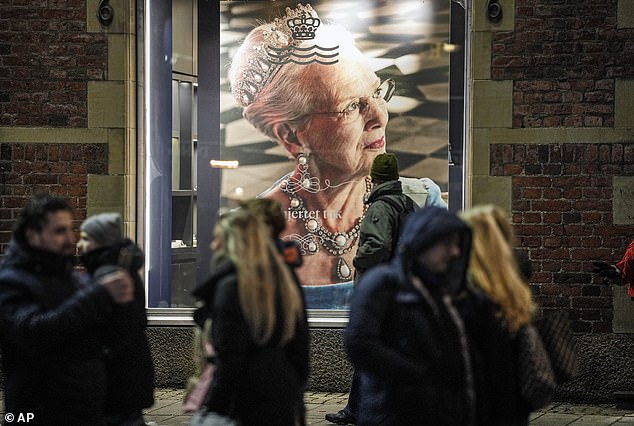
x,y
560,344
211,418
195,398
536,376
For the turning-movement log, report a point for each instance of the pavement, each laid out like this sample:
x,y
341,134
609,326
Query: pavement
x,y
167,411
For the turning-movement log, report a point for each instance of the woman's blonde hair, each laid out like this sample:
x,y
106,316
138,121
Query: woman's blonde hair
x,y
493,265
265,284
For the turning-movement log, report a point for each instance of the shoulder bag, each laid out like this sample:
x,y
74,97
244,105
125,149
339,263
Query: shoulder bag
x,y
560,344
536,377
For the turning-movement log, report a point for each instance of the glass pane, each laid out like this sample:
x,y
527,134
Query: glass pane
x,y
405,41
183,236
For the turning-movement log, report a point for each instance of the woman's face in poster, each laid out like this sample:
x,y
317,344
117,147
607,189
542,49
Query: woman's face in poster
x,y
344,147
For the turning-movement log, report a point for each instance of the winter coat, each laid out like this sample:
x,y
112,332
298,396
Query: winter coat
x,y
626,266
411,347
51,349
379,228
499,365
255,384
129,361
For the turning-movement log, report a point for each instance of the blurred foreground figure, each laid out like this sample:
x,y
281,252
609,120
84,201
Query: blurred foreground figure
x,y
407,336
128,359
258,326
493,268
51,319
379,232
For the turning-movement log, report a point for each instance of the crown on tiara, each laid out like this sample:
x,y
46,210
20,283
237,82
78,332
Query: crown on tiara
x,y
268,57
304,26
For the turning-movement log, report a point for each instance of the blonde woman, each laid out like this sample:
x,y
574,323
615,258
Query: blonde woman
x,y
493,268
258,329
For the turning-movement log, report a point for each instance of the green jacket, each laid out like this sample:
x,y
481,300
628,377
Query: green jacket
x,y
379,228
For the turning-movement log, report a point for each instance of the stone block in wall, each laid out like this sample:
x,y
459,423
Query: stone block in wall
x,y
121,23
623,321
492,190
605,367
624,101
625,14
330,370
481,21
623,200
172,353
105,194
106,104
493,101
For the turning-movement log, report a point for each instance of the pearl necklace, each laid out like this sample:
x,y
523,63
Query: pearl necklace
x,y
336,243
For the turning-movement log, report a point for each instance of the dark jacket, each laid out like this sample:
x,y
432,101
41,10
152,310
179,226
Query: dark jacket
x,y
129,360
253,384
51,349
499,362
380,227
411,347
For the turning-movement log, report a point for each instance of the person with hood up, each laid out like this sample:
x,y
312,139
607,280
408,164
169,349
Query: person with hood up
x,y
387,207
407,336
129,365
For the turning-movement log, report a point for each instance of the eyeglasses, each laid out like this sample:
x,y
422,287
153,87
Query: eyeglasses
x,y
353,110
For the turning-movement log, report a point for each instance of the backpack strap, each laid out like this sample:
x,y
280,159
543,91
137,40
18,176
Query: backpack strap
x,y
403,211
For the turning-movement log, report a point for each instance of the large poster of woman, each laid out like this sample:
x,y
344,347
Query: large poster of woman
x,y
310,93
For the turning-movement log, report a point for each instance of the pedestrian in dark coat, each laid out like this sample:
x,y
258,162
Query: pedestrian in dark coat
x,y
129,363
378,235
50,320
379,230
407,336
258,327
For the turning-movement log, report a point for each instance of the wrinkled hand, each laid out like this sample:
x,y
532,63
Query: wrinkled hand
x,y
120,286
608,271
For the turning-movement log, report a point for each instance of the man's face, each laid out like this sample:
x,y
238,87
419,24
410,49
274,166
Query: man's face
x,y
438,257
56,236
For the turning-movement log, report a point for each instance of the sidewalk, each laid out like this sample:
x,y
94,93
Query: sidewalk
x,y
167,411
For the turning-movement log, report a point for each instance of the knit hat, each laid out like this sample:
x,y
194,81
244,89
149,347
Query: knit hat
x,y
104,228
384,167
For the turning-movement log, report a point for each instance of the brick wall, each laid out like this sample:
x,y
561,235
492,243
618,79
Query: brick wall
x,y
46,60
562,213
563,58
26,169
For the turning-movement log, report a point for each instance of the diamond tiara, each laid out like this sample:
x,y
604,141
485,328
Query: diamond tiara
x,y
266,59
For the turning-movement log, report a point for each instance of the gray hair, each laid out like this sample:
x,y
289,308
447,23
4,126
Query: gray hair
x,y
286,98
